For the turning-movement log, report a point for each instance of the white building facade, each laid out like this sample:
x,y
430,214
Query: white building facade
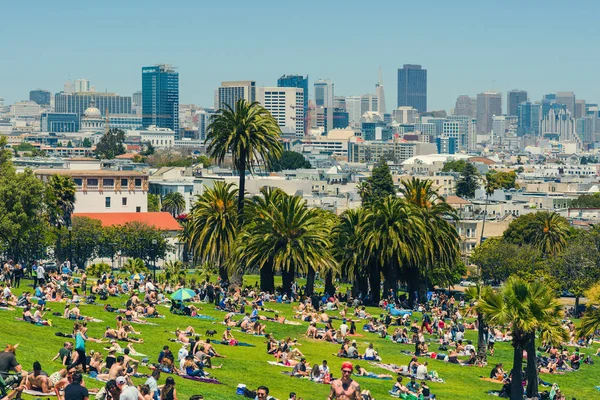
x,y
286,104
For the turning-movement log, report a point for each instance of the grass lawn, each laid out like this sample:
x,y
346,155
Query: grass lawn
x,y
249,364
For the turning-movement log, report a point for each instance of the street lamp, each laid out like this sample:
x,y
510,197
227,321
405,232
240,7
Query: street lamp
x,y
154,242
70,228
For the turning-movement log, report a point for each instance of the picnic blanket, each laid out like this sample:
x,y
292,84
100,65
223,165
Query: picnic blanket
x,y
388,367
6,308
32,323
87,319
201,379
32,392
241,344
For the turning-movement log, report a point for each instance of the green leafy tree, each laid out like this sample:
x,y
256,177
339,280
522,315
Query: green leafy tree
x,y
111,144
174,271
86,234
468,182
70,144
205,161
550,233
379,185
455,166
498,259
24,146
587,201
250,134
87,143
153,202
137,242
291,160
476,294
60,199
347,239
174,203
521,229
148,150
213,226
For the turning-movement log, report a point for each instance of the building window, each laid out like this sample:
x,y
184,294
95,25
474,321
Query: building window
x,y
107,202
92,182
138,182
124,201
108,182
138,209
124,182
78,181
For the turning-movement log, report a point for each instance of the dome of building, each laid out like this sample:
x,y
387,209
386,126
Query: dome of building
x,y
92,111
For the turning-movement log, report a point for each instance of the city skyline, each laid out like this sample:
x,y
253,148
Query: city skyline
x,y
461,58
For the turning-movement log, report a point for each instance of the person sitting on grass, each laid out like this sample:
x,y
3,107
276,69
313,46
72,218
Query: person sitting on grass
x,y
399,389
360,371
228,337
300,369
191,368
413,386
210,350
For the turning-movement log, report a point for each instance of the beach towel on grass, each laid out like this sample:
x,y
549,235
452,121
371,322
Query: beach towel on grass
x,y
279,364
201,379
205,317
32,392
241,344
142,323
133,353
387,378
6,308
32,323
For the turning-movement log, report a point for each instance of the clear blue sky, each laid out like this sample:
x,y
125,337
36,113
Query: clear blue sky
x,y
467,46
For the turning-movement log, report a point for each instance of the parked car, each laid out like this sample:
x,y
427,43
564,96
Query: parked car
x,y
467,283
50,266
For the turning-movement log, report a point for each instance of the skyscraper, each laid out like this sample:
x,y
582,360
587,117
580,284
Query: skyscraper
x,y
324,93
286,104
464,106
297,81
568,99
528,119
81,86
231,91
380,94
513,99
78,102
369,102
160,97
40,96
488,104
412,87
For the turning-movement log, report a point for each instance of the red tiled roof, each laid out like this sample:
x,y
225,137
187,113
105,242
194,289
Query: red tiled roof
x,y
456,200
160,220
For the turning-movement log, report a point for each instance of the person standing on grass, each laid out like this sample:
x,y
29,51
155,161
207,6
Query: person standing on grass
x,y
80,339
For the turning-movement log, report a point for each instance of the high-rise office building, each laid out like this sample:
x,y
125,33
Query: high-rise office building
x,y
160,97
353,107
286,104
81,86
324,93
137,98
78,102
40,96
528,122
231,91
464,106
412,87
57,122
513,99
296,81
568,99
380,94
488,104
580,108
369,102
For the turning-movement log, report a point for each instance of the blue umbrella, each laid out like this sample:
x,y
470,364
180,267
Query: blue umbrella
x,y
183,294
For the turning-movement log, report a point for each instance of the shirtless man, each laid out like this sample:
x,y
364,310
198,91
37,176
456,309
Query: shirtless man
x,y
130,363
345,388
117,369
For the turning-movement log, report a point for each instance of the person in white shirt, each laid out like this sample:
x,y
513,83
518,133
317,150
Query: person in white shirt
x,y
422,371
469,347
182,354
344,328
41,274
459,336
324,368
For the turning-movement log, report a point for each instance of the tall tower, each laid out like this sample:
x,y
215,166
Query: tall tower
x,y
297,81
513,99
231,91
380,94
488,104
160,97
412,87
324,93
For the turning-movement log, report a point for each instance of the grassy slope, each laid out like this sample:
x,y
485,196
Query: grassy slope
x,y
248,365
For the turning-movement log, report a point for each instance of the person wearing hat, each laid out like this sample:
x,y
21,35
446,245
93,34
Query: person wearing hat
x,y
8,362
345,387
128,392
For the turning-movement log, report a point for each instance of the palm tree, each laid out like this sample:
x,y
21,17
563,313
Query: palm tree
x,y
213,226
439,259
174,203
476,294
551,232
347,249
250,133
174,271
290,237
394,236
490,186
135,266
528,307
60,201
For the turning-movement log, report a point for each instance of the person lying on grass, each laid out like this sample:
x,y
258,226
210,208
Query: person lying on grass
x,y
360,371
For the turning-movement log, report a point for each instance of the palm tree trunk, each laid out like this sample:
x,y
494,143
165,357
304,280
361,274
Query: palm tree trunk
x,y
310,281
532,372
287,278
223,274
481,342
375,281
267,278
487,198
412,284
329,286
242,187
391,280
516,387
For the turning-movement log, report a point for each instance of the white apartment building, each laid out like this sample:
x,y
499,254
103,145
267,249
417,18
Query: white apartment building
x,y
286,104
231,91
25,109
372,151
105,190
160,138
